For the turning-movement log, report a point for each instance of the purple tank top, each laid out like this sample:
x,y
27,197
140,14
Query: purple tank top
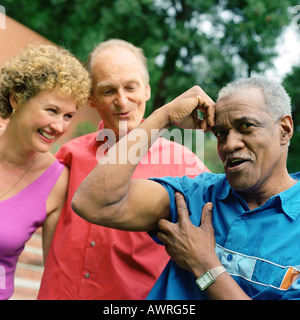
x,y
20,216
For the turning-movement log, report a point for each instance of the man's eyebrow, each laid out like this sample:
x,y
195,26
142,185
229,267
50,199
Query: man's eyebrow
x,y
244,119
216,128
235,122
108,84
103,84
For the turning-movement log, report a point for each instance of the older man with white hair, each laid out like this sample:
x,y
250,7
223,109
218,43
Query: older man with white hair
x,y
86,261
230,236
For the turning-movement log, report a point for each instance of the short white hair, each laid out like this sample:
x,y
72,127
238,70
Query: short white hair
x,y
138,52
277,101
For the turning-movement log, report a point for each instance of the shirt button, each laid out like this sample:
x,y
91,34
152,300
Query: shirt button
x,y
229,257
92,244
87,275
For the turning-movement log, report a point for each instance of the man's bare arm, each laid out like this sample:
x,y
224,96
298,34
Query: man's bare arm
x,y
110,198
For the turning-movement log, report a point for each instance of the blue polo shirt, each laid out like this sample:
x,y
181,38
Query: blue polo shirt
x,y
259,248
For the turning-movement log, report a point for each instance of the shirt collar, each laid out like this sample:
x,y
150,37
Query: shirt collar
x,y
101,136
290,200
101,125
104,136
95,139
224,190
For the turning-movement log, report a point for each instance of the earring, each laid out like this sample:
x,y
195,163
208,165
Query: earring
x,y
14,112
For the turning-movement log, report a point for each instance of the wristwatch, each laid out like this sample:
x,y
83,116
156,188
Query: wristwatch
x,y
209,277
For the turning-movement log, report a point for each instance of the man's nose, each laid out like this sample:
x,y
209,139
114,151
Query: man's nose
x,y
121,99
233,142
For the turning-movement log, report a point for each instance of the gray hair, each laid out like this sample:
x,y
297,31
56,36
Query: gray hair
x,y
138,52
277,101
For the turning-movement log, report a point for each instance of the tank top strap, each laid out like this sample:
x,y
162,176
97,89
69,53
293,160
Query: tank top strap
x,y
48,178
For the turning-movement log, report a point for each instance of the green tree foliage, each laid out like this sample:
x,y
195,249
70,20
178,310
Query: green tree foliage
x,y
291,83
187,42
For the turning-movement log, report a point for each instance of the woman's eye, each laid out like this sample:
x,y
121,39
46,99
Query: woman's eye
x,y
68,116
51,110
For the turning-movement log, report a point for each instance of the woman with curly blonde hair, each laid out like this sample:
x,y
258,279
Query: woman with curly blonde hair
x,y
40,91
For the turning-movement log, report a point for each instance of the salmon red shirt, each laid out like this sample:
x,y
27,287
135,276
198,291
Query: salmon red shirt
x,y
87,261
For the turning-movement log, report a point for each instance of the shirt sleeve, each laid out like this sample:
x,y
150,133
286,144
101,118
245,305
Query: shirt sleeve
x,y
64,156
168,184
184,185
196,191
172,185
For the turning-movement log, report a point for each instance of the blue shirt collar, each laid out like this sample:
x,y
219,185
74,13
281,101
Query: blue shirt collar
x,y
290,199
224,190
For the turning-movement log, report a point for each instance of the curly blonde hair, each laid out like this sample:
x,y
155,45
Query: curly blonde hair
x,y
42,67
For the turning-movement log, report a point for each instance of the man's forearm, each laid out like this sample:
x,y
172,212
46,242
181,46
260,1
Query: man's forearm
x,y
193,249
108,182
107,186
225,288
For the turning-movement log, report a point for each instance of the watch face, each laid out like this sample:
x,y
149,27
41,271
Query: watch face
x,y
205,280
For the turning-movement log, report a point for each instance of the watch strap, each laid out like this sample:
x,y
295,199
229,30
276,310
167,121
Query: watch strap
x,y
210,277
215,272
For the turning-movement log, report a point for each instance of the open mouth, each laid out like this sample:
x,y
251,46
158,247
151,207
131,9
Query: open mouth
x,y
46,135
123,114
235,162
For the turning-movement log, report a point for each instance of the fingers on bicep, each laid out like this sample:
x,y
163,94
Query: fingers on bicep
x,y
206,218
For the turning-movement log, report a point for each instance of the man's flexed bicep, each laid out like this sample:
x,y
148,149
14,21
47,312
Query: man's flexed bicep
x,y
139,209
109,197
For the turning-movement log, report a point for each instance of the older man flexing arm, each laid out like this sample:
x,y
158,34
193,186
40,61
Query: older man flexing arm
x,y
110,198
